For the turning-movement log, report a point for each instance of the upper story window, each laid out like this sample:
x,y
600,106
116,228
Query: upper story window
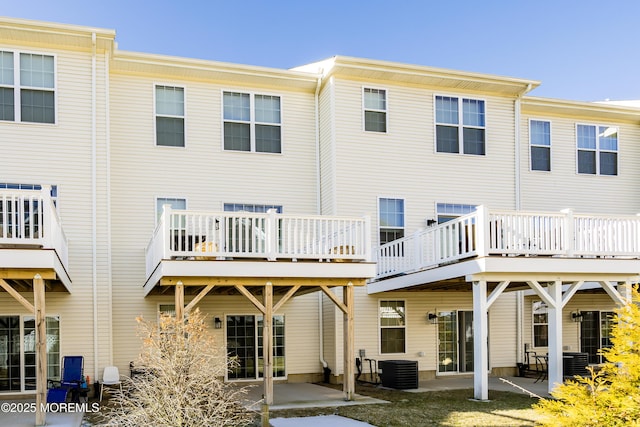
x,y
448,211
175,203
170,116
460,119
540,141
597,149
252,122
27,91
248,207
375,110
391,219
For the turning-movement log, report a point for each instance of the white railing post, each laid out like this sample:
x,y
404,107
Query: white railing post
x,y
271,235
570,232
165,221
417,250
482,231
46,233
366,233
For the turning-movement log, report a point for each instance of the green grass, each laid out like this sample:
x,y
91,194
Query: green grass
x,y
434,408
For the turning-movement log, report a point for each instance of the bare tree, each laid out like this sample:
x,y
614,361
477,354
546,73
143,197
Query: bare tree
x,y
181,383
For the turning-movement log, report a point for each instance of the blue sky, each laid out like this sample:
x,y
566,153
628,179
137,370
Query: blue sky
x,y
579,49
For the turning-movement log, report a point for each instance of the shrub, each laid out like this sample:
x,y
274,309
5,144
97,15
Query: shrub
x,y
182,380
611,396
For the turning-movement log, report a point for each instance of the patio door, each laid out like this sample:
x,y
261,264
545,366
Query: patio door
x,y
595,333
455,342
244,346
18,352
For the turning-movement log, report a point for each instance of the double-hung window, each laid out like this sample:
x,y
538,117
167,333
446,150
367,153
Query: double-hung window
x,y
540,324
460,120
393,326
391,219
375,110
252,122
170,116
27,87
540,144
448,211
597,149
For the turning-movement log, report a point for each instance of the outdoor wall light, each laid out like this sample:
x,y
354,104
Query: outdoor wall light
x,y
432,317
576,316
217,323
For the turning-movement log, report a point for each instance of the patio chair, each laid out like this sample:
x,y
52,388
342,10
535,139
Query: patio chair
x,y
110,378
71,380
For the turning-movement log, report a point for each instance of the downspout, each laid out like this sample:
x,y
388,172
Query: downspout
x,y
94,209
319,211
107,120
518,203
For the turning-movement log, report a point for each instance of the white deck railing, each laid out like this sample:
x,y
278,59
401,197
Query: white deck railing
x,y
493,232
222,235
29,218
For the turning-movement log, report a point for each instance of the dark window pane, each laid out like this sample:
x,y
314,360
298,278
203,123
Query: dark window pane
x,y
236,137
540,159
170,131
608,163
37,106
389,235
447,139
375,121
268,139
473,141
586,162
392,340
540,336
7,110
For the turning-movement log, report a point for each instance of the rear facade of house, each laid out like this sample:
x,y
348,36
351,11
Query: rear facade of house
x,y
170,181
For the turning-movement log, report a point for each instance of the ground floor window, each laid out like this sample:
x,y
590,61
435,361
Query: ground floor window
x,y
245,346
392,327
18,352
540,324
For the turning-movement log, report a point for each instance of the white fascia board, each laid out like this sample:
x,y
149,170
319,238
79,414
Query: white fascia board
x,y
36,259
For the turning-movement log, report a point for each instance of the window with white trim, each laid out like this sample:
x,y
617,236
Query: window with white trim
x,y
393,326
252,122
448,211
250,207
540,313
27,92
597,149
375,110
391,219
540,145
460,119
169,116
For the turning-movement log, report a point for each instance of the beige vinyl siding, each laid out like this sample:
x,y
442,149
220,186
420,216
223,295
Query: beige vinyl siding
x,y
564,188
421,335
326,107
60,154
201,172
570,329
402,163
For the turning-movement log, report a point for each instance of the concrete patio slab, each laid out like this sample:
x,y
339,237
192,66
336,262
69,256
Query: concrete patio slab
x,y
319,421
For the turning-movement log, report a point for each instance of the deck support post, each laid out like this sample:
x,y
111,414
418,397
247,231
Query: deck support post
x,y
349,342
179,302
480,334
41,349
267,337
554,364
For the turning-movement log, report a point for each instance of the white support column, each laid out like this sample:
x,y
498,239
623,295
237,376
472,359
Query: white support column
x,y
480,334
267,343
555,335
624,289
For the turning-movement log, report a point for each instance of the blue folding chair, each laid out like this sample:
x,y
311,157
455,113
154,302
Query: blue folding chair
x,y
71,380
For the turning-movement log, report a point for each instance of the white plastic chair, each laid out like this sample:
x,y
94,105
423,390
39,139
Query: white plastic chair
x,y
110,378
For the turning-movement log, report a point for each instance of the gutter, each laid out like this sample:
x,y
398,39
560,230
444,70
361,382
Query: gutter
x,y
319,212
94,209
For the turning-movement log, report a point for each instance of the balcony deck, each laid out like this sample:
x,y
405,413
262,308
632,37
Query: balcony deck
x,y
510,242
32,240
201,248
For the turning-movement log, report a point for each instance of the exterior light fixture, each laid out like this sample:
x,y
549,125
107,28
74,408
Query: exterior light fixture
x,y
217,323
432,317
576,316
